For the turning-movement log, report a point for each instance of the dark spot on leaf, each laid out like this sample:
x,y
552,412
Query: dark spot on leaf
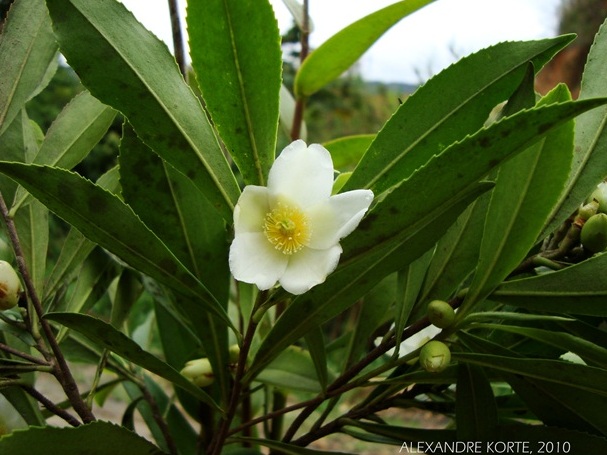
x,y
493,163
97,204
168,266
485,142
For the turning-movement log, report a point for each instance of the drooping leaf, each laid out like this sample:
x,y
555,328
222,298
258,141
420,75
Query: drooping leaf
x,y
475,407
127,67
575,290
33,230
590,160
235,50
171,206
28,57
425,124
91,439
106,336
527,187
338,53
105,219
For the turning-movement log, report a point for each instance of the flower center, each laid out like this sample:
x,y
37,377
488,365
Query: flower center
x,y
286,227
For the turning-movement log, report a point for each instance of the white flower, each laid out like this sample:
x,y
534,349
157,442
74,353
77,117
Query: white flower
x,y
289,231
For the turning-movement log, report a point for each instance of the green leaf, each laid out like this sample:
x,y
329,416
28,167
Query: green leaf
x,y
575,290
28,55
235,50
293,369
24,405
582,377
105,219
590,352
590,161
14,143
426,124
338,53
475,407
91,439
171,206
127,67
33,230
526,189
347,151
315,342
109,338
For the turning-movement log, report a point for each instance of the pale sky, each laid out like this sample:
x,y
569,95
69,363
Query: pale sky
x,y
420,45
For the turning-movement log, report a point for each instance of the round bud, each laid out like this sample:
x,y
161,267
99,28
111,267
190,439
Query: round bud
x,y
435,356
234,352
600,195
594,233
10,286
199,371
440,314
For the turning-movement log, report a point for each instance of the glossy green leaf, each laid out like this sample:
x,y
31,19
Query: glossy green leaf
x,y
106,220
590,161
28,55
293,369
91,439
235,50
24,404
526,189
590,352
127,67
577,289
109,338
583,377
426,124
347,151
128,291
338,53
475,407
171,206
33,230
399,229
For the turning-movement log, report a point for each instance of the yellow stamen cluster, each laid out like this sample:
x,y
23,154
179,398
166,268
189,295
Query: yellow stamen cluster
x,y
286,227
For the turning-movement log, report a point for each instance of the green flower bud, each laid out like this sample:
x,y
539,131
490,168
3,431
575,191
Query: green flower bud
x,y
234,352
600,195
588,210
594,233
440,314
435,356
199,371
10,286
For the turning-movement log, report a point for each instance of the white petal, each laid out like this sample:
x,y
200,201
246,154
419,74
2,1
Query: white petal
x,y
337,217
303,175
308,267
254,260
251,209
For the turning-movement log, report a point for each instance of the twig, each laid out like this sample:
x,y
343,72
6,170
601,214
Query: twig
x,y
157,416
305,49
48,404
23,355
62,371
178,48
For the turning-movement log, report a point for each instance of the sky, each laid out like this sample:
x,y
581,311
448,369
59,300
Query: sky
x,y
415,48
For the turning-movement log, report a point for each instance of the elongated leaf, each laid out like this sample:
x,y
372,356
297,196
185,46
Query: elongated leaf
x,y
426,124
91,439
106,220
347,151
399,230
128,68
235,49
285,448
590,163
338,53
28,53
476,411
574,290
33,230
583,377
185,221
315,341
293,369
108,337
590,352
516,218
